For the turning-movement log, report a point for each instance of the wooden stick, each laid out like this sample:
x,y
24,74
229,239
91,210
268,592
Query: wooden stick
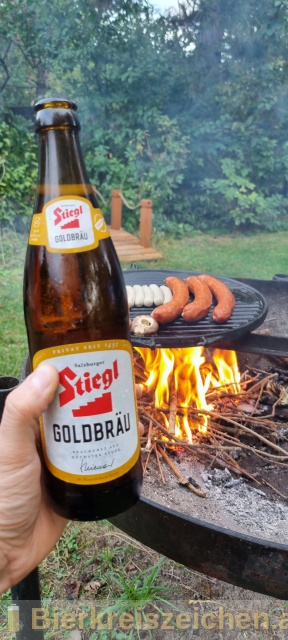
x,y
241,427
241,445
201,450
147,460
274,489
232,466
220,416
172,406
159,464
139,372
199,446
181,479
148,445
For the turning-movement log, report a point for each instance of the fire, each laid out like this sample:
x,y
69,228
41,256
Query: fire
x,y
183,378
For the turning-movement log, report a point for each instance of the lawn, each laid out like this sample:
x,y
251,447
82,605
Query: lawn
x,y
243,256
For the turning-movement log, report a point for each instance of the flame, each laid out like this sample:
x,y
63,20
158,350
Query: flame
x,y
183,378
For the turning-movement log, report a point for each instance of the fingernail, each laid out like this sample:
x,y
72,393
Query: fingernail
x,y
41,378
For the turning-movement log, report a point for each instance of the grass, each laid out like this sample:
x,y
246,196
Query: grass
x,y
252,256
12,331
94,562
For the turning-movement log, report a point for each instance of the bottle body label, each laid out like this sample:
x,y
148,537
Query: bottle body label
x,y
68,224
90,432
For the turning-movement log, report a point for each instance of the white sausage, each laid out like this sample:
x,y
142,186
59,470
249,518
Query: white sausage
x,y
167,293
139,295
148,296
130,295
157,294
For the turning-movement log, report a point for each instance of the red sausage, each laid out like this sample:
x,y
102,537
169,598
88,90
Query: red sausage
x,y
201,304
225,299
171,310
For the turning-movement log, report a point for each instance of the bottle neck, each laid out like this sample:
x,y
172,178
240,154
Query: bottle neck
x,y
62,170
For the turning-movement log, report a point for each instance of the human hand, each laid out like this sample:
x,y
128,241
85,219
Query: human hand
x,y
29,529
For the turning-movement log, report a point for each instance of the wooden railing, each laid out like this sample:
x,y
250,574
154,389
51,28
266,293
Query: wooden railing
x,y
145,229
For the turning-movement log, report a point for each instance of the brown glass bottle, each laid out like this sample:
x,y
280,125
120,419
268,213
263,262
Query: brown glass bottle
x,y
76,317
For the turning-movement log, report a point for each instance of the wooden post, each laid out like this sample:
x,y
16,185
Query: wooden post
x,y
116,210
145,232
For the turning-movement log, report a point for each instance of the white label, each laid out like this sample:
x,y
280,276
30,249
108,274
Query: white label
x,y
90,432
69,224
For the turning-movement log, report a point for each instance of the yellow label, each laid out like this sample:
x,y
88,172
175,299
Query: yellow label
x,y
68,225
90,432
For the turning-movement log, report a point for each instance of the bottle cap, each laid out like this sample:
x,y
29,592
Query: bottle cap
x,y
52,113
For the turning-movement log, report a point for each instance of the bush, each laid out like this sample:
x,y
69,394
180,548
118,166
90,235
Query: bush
x,y
18,173
142,163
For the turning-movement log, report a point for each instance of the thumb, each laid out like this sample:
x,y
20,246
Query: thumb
x,y
24,406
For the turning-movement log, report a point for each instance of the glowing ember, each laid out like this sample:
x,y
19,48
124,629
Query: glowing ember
x,y
182,378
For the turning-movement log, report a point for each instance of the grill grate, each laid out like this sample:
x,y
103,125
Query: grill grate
x,y
250,311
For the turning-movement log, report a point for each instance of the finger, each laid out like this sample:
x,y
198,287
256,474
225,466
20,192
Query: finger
x,y
25,404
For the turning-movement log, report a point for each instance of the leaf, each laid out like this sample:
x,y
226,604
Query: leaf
x,y
94,586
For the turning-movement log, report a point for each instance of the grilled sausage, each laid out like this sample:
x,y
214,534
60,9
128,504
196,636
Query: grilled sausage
x,y
139,295
148,296
171,310
225,298
157,294
201,304
130,295
167,293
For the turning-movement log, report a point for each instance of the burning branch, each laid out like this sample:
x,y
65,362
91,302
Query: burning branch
x,y
172,407
216,430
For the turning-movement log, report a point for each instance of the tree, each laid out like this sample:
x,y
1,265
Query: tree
x,y
238,129
188,108
114,60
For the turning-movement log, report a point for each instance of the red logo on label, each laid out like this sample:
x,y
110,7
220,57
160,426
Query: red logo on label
x,y
60,215
79,385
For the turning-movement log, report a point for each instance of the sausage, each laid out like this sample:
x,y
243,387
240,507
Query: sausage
x,y
201,304
130,295
225,298
139,295
171,310
167,293
157,294
148,296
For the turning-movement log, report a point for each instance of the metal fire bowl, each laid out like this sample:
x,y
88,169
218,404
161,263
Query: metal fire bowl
x,y
240,560
248,562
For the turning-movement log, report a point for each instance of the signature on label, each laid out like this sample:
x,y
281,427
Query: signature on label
x,y
85,468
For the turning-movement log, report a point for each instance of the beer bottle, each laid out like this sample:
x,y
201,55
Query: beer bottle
x,y
76,316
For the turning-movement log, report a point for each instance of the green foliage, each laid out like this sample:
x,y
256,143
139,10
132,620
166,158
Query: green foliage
x,y
135,595
148,166
18,173
247,207
188,109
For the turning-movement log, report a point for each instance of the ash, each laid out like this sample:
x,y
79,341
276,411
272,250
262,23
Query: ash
x,y
231,503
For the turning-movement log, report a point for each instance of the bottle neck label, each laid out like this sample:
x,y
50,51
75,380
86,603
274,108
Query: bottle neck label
x,y
68,225
90,432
